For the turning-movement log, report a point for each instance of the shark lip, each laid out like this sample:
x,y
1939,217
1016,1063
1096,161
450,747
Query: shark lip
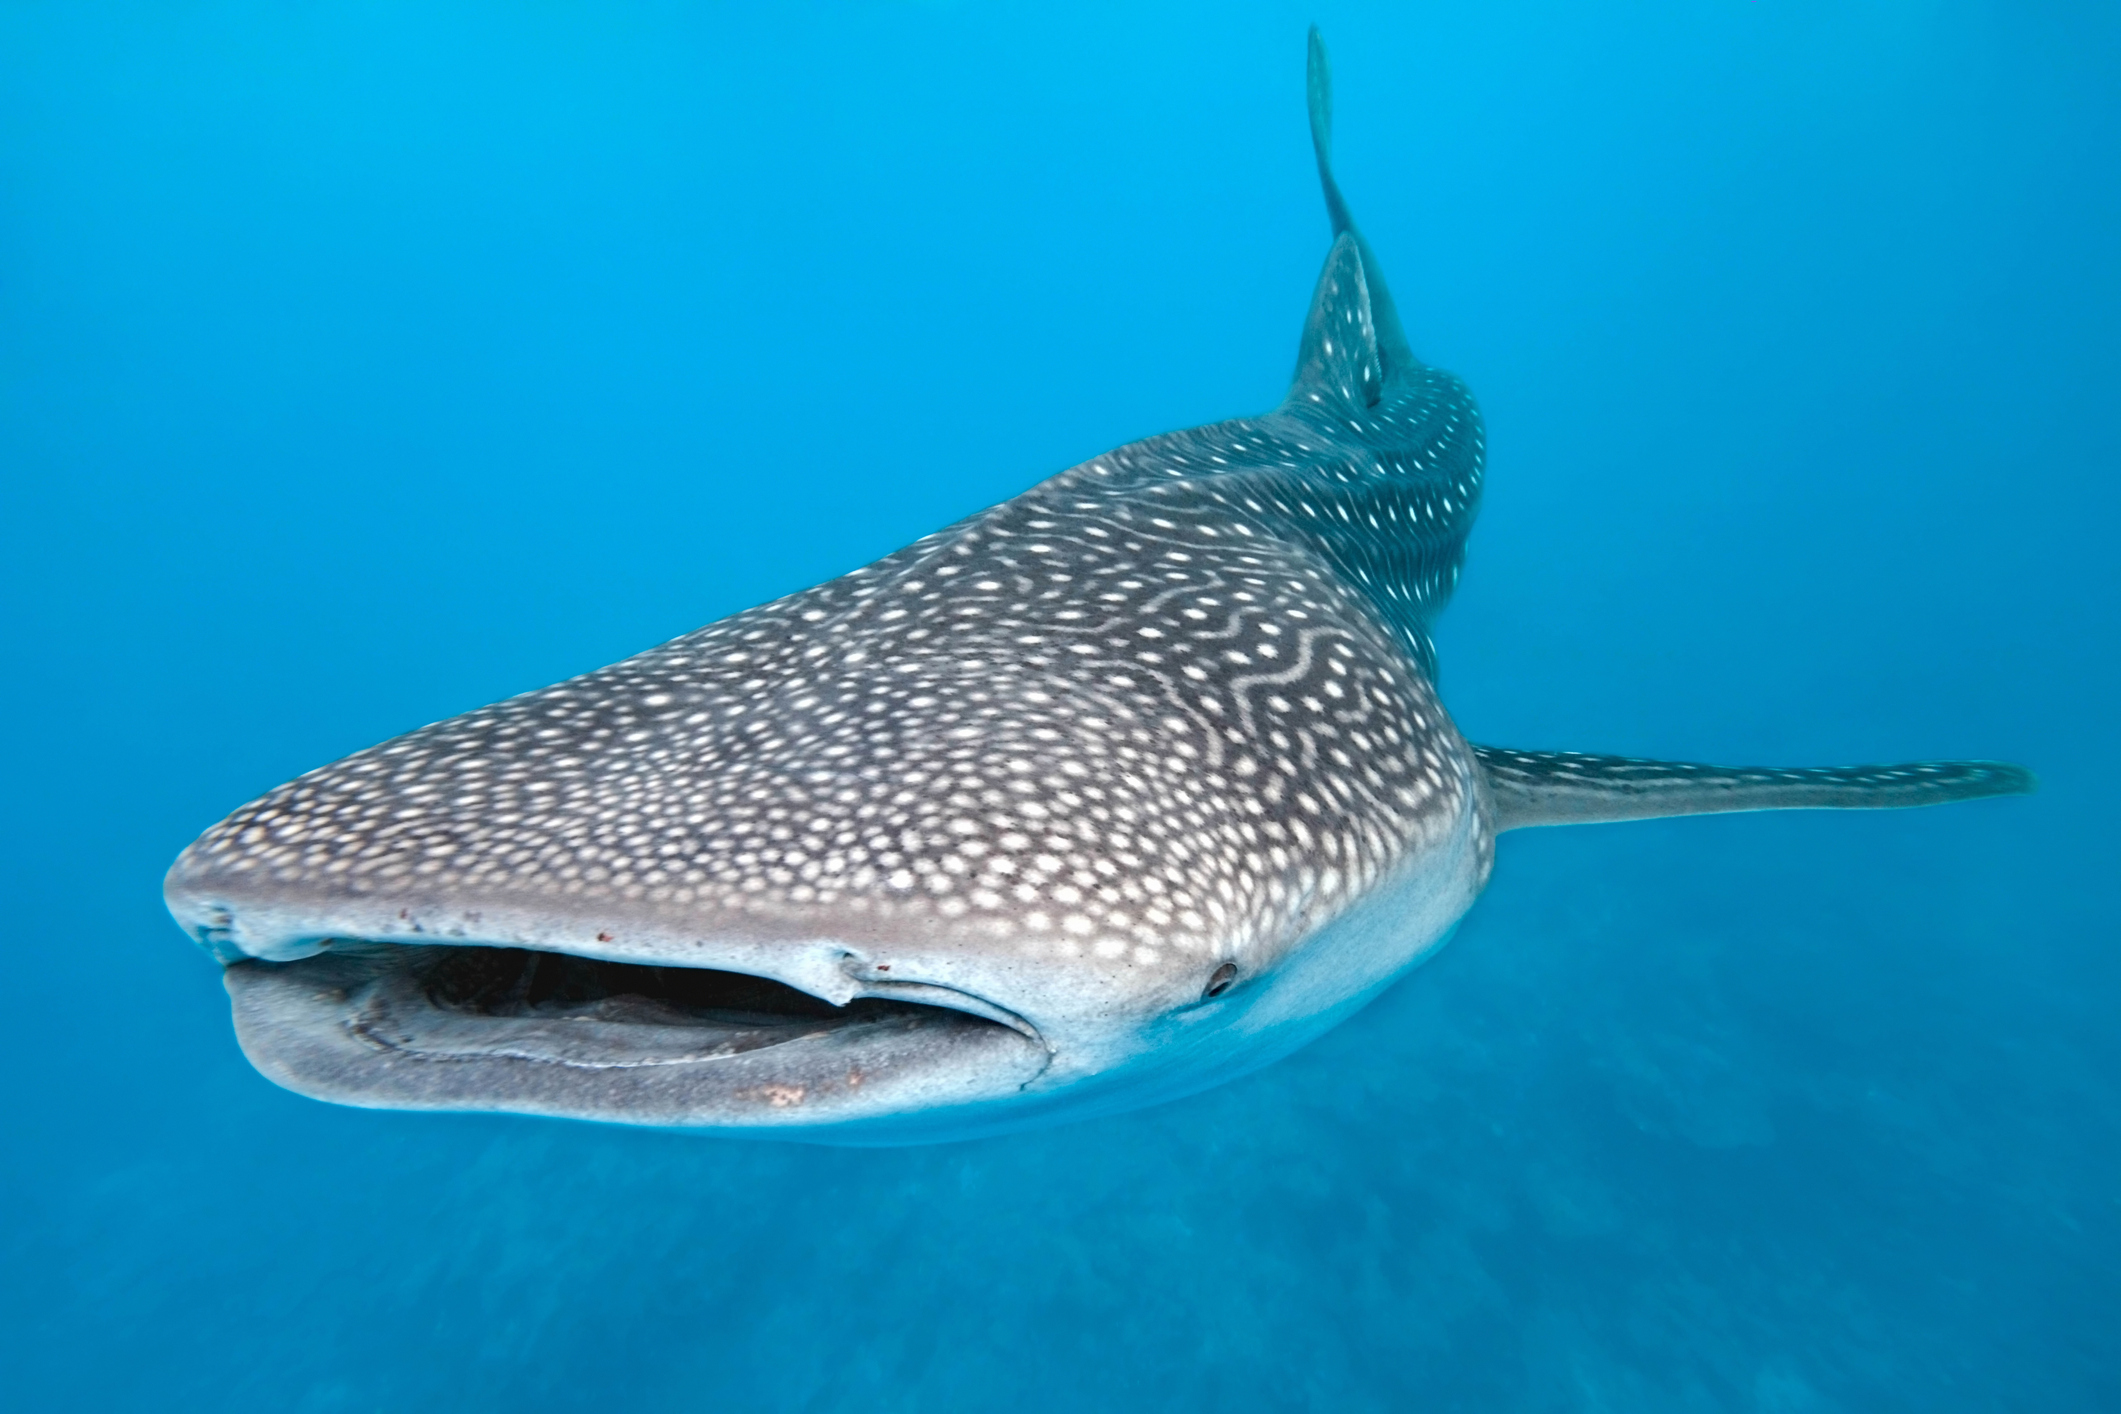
x,y
397,1026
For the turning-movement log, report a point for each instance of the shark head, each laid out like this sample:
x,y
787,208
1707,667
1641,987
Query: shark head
x,y
868,864
1104,795
1107,793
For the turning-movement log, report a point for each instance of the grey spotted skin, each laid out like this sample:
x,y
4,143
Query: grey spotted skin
x,y
1155,709
1108,793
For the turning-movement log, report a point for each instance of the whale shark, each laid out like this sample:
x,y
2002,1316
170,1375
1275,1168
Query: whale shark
x,y
1107,794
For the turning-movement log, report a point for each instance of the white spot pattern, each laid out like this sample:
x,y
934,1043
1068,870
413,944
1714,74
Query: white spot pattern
x,y
1173,703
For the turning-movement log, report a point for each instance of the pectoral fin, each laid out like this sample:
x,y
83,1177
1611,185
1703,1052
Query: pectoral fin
x,y
1569,788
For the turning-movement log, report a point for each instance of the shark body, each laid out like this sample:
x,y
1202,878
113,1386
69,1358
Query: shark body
x,y
1106,794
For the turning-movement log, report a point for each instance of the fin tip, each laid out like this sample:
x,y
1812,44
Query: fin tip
x,y
1318,92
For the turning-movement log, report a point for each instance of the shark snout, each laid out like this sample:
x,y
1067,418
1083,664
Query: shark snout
x,y
387,1002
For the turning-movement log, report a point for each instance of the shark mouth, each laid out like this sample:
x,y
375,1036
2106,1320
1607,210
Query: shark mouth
x,y
394,1026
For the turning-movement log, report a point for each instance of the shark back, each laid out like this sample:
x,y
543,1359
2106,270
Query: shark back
x,y
1373,464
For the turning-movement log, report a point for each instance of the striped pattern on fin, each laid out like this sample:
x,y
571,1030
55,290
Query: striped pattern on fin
x,y
1570,788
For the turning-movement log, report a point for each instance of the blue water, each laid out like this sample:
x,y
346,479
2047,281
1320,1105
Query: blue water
x,y
361,364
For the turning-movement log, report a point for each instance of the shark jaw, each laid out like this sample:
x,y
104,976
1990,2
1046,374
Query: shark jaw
x,y
387,1025
816,1029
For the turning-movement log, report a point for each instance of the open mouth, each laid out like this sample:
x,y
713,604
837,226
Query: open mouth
x,y
498,1028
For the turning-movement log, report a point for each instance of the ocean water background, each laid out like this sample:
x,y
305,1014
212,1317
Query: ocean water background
x,y
362,364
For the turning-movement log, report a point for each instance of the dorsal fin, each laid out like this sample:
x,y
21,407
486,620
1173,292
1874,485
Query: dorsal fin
x,y
1339,359
1351,302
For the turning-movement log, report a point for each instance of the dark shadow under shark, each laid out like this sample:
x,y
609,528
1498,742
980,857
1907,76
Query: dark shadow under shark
x,y
1107,794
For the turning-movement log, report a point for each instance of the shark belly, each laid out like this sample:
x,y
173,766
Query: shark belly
x,y
1326,975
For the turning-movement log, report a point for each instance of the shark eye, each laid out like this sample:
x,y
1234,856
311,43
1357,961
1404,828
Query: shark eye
x,y
1220,981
